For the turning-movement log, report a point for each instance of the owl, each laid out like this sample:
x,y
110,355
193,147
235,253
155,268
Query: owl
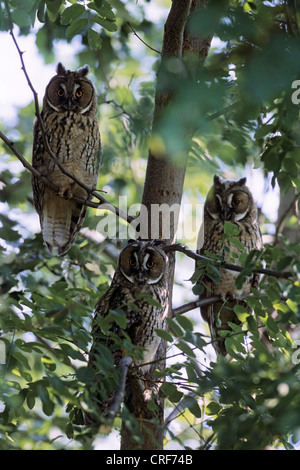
x,y
227,201
139,288
69,115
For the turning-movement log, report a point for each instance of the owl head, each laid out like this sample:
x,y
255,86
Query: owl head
x,y
70,91
229,200
143,262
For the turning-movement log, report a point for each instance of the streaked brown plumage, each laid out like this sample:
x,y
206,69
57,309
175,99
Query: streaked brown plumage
x,y
139,288
227,201
69,114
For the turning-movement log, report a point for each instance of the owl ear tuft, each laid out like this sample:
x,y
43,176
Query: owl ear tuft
x,y
242,181
60,69
83,71
217,180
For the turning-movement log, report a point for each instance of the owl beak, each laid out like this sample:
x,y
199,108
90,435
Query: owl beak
x,y
141,277
228,213
70,104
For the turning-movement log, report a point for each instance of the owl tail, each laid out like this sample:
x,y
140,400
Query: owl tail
x,y
61,220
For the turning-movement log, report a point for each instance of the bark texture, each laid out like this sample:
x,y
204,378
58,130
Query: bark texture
x,y
164,185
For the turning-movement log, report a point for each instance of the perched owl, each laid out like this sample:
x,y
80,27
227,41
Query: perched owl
x,y
139,288
227,201
69,115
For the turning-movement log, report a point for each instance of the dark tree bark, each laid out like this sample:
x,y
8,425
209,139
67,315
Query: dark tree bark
x,y
164,185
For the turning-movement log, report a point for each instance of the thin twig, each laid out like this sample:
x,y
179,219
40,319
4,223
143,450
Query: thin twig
x,y
224,264
139,37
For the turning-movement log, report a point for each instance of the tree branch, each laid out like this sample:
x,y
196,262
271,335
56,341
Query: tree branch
x,y
224,264
196,303
280,223
174,28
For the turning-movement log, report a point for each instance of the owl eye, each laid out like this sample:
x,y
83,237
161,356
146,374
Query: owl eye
x,y
60,92
132,262
150,264
79,93
235,202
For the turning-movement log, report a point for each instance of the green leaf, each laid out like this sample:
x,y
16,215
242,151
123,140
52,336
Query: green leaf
x,y
170,390
234,344
106,24
104,10
119,316
85,375
284,182
264,130
48,363
71,13
164,335
184,322
195,338
30,400
272,324
241,312
175,328
47,404
186,349
21,18
69,430
70,352
291,167
198,289
192,405
150,299
53,7
75,27
235,241
152,406
213,273
230,229
94,39
212,408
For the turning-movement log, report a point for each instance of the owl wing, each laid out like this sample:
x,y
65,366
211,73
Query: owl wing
x,y
205,282
221,312
111,300
39,163
116,297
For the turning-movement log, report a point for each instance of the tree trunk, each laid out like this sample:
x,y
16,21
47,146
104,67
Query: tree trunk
x,y
289,205
163,187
